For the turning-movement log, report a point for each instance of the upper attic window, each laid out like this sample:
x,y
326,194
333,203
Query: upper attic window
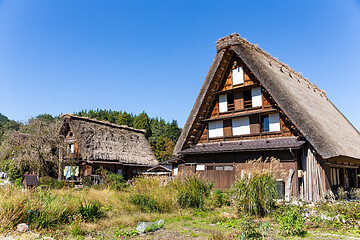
x,y
241,126
238,76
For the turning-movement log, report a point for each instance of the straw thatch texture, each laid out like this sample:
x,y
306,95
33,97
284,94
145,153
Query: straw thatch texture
x,y
318,120
103,141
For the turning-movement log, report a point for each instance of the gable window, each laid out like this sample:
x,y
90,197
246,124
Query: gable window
x,y
241,126
247,99
265,123
256,97
238,76
230,102
216,129
223,103
270,123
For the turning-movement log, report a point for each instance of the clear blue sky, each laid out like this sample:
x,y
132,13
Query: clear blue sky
x,y
62,56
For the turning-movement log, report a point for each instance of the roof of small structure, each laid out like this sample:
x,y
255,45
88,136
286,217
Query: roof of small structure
x,y
308,107
160,168
30,179
249,145
104,141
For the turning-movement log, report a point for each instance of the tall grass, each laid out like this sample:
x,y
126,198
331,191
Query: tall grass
x,y
193,191
255,193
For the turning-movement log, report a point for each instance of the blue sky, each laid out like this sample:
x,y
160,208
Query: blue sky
x,y
63,56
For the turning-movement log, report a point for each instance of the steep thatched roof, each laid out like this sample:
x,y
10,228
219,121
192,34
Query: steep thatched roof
x,y
308,107
104,141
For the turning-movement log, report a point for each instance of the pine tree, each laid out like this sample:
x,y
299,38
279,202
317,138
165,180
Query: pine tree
x,y
142,121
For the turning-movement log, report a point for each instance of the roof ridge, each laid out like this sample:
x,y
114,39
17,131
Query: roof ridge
x,y
106,123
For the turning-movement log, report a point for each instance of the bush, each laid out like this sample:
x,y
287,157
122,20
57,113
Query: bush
x,y
91,211
115,181
193,191
144,202
255,195
290,220
221,198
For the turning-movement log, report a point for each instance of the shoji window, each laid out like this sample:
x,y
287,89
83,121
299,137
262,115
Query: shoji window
x,y
274,122
238,76
223,103
216,129
256,97
241,126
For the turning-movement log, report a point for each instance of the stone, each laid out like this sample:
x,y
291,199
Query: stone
x,y
22,227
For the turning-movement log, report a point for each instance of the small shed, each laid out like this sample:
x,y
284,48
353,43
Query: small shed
x,y
30,181
163,170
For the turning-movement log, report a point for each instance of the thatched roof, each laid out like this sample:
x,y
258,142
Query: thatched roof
x,y
308,107
104,141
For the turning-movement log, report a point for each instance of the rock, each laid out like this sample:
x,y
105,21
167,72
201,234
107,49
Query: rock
x,y
22,227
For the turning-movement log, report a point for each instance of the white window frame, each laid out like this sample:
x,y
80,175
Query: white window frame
x,y
216,129
200,167
256,97
274,122
176,171
238,76
240,126
223,103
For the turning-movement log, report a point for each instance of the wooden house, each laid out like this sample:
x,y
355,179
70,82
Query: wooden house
x,y
93,144
29,181
251,105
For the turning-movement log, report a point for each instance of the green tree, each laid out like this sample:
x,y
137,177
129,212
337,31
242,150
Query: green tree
x,y
125,119
142,121
163,148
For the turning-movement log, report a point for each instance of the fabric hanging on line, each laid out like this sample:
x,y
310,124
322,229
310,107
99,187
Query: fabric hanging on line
x,y
65,170
68,172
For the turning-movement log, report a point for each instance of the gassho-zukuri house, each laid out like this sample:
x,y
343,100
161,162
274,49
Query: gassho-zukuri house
x,y
251,105
92,144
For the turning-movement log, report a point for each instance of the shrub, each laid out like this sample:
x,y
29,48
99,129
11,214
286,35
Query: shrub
x,y
249,230
115,181
193,191
221,198
290,220
342,193
91,211
255,195
144,202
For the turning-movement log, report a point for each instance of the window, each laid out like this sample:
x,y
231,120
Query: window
x,y
270,123
72,148
247,99
120,172
216,129
230,102
175,171
256,97
219,168
200,167
274,122
223,103
240,126
238,76
228,168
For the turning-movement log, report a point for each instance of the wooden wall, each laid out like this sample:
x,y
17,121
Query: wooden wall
x,y
224,168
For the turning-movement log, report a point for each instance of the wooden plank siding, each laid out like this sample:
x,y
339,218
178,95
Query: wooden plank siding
x,y
225,168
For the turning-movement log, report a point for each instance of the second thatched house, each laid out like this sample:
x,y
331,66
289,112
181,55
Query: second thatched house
x,y
94,144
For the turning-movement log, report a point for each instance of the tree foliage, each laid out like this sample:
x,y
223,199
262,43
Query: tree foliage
x,y
35,147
